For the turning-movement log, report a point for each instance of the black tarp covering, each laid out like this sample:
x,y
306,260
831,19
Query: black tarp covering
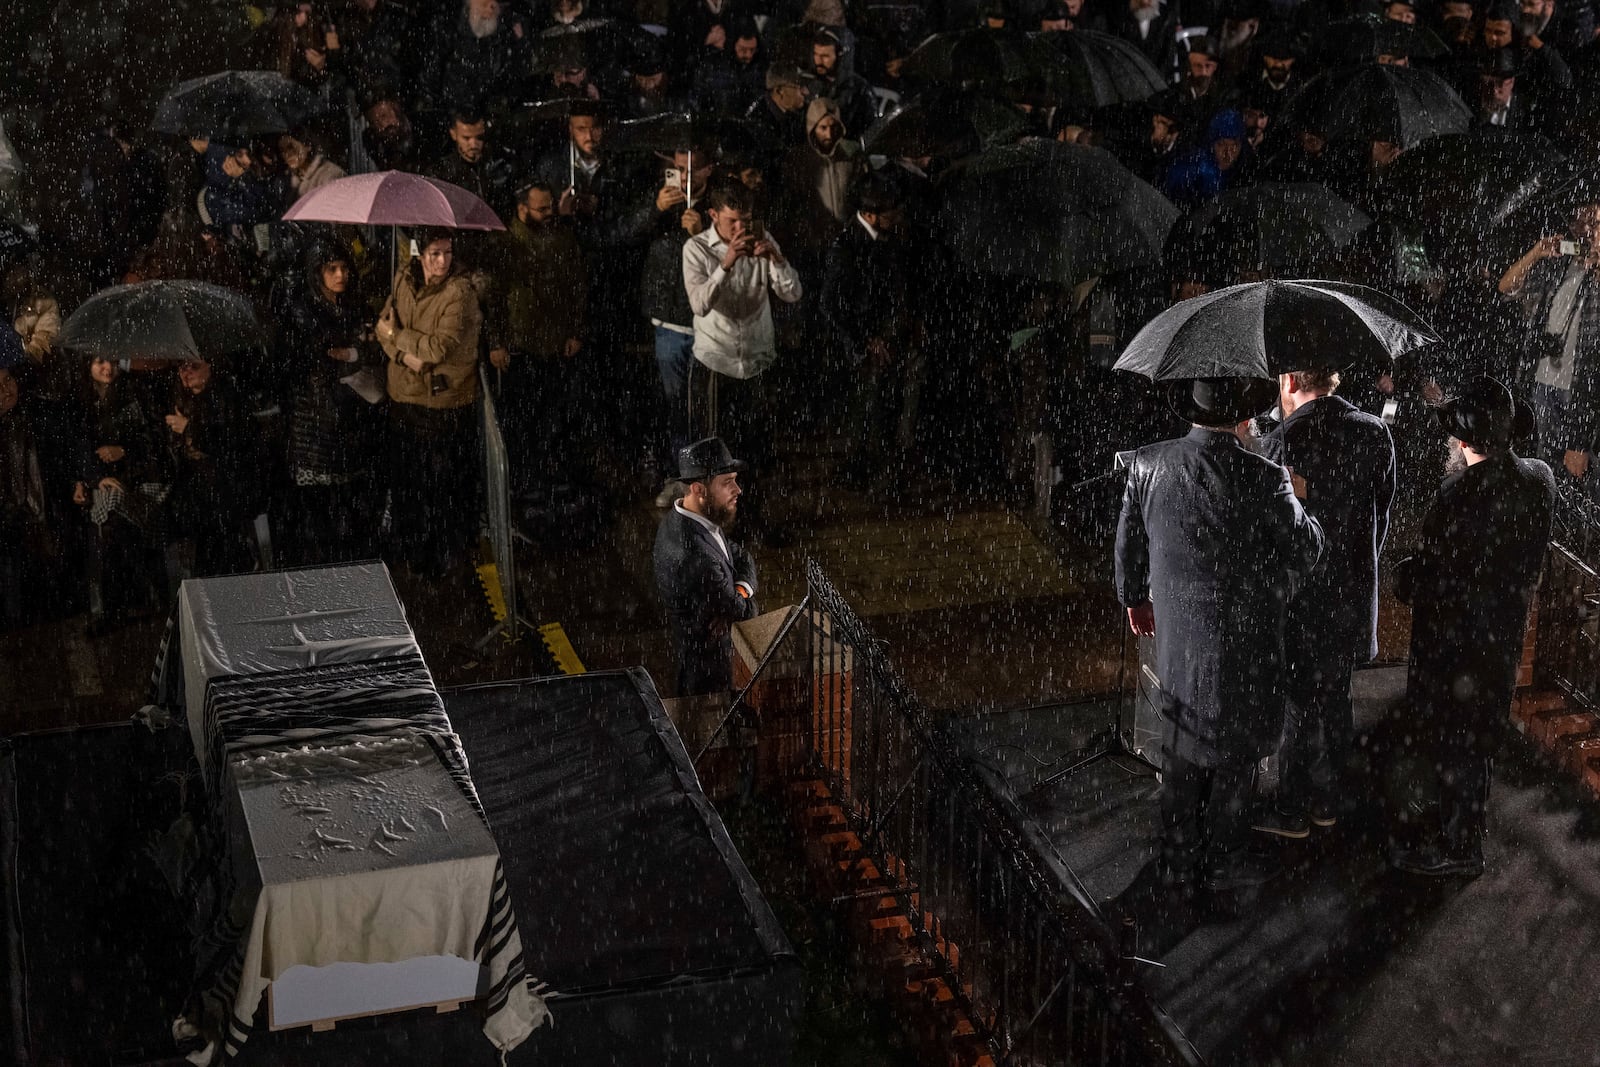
x,y
631,899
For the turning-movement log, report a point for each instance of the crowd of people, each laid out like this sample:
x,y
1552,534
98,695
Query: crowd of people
x,y
767,275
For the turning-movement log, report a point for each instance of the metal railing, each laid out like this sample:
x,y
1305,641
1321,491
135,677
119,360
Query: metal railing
x,y
1567,649
1043,977
499,529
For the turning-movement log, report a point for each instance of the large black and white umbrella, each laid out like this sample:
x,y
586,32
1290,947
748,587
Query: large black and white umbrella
x,y
162,321
1263,329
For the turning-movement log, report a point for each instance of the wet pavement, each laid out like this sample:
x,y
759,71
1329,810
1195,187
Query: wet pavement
x,y
1344,961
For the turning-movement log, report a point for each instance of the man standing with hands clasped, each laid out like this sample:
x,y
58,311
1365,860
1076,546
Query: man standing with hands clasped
x,y
1210,545
1345,459
728,270
707,582
1469,585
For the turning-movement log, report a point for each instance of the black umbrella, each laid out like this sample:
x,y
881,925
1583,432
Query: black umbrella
x,y
1089,69
678,131
1263,329
1379,102
947,122
1277,227
1053,212
1363,38
582,43
976,57
1476,193
234,107
16,244
162,320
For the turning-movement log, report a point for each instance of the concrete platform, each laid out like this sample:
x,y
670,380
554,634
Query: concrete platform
x,y
1346,962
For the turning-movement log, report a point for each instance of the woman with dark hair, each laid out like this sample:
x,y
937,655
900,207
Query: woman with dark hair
x,y
215,484
330,425
121,483
429,331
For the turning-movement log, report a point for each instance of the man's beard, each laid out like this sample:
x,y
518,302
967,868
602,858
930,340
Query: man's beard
x,y
483,27
1276,79
1148,13
1455,460
1533,25
1200,84
722,514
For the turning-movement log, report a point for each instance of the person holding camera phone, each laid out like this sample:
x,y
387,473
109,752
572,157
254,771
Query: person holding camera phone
x,y
665,302
1557,281
728,271
429,331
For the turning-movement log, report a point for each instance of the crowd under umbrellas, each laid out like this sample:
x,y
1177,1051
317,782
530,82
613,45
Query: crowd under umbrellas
x,y
1074,213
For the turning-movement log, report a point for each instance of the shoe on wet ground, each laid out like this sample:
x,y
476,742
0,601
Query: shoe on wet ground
x,y
1433,860
1289,824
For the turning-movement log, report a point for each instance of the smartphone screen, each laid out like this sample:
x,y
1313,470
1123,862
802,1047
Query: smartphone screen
x,y
758,229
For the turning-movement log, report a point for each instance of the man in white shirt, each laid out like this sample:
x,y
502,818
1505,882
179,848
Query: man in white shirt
x,y
729,271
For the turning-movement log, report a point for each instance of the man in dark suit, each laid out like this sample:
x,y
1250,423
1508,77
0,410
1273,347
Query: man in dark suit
x,y
1210,545
1345,458
707,582
866,301
1469,585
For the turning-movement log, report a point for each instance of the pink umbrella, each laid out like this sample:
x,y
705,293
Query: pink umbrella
x,y
394,198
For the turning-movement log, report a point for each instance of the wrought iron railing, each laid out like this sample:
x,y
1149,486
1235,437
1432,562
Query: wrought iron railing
x,y
1042,975
1567,649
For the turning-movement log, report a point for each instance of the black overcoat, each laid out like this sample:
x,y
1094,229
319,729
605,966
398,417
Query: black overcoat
x,y
1469,584
698,587
1213,534
1346,457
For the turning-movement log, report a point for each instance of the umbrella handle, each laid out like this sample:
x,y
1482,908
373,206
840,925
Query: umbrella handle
x,y
688,192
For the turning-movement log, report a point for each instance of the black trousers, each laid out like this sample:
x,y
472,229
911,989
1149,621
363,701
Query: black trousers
x,y
548,418
1204,812
332,523
1319,731
433,484
741,412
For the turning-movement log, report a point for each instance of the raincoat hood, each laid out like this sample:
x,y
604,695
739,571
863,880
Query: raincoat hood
x,y
1225,125
819,109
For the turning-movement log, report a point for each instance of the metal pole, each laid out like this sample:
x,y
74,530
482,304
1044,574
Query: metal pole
x,y
783,632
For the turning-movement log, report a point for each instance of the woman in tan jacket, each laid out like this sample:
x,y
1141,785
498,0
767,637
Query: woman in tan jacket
x,y
429,331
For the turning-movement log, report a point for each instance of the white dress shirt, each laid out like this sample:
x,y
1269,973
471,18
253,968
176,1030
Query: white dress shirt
x,y
732,315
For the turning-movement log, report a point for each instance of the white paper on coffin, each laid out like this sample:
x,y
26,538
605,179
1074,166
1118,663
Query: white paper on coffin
x,y
384,862
259,623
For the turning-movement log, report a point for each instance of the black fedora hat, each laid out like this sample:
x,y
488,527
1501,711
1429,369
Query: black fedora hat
x,y
1219,402
1486,414
705,459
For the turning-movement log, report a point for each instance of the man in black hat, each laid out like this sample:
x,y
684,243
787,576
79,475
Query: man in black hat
x,y
1469,584
1498,103
1346,459
1210,545
707,582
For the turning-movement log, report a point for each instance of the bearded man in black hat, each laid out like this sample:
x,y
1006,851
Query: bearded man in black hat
x,y
707,582
1469,585
1210,546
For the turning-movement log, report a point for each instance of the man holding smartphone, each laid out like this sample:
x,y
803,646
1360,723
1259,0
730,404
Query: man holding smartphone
x,y
1557,281
728,272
